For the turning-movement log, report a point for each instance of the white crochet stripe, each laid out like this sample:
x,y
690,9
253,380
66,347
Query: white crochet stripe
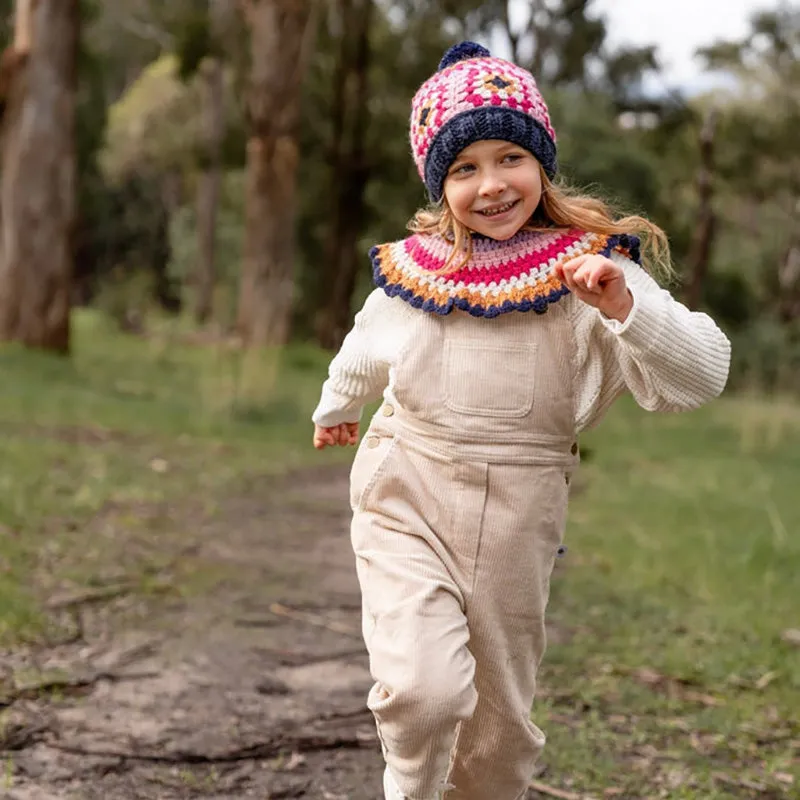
x,y
487,258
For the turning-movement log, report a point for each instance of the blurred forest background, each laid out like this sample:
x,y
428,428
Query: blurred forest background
x,y
188,191
232,162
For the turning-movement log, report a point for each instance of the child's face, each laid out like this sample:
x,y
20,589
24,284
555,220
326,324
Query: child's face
x,y
493,187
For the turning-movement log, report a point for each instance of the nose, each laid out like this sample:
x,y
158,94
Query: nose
x,y
492,184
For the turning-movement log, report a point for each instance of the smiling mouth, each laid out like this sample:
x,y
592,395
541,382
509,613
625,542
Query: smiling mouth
x,y
493,212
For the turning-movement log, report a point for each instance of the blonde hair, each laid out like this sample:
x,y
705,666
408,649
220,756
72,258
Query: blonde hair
x,y
561,207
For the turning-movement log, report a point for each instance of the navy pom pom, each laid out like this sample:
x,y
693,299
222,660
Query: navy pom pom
x,y
461,52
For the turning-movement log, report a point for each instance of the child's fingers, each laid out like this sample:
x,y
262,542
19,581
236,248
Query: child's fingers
x,y
568,268
323,437
587,276
352,432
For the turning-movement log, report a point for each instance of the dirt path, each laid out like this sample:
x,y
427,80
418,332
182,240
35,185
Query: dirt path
x,y
256,688
254,691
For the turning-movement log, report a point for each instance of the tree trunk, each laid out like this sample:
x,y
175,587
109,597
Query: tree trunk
x,y
279,39
208,190
789,272
210,179
700,253
349,173
38,186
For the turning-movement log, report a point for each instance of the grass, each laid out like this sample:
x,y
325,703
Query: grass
x,y
680,581
97,451
669,676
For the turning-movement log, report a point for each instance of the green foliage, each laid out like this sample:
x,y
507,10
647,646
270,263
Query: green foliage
x,y
229,247
127,246
156,126
595,152
767,356
193,43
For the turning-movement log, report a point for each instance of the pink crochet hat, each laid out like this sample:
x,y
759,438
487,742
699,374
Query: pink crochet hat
x,y
474,96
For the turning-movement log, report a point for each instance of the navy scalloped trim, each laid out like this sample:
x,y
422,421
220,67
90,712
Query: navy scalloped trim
x,y
630,244
538,306
461,52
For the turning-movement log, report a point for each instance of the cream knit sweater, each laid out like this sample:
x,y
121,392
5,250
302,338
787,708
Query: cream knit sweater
x,y
669,358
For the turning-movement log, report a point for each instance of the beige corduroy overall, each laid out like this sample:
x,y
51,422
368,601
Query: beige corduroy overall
x,y
459,492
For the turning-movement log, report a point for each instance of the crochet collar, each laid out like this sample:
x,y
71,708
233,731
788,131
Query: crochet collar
x,y
514,275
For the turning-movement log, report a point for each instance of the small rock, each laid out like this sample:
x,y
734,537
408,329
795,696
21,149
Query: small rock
x,y
272,686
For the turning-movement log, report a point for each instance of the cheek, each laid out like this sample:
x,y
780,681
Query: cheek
x,y
533,196
459,198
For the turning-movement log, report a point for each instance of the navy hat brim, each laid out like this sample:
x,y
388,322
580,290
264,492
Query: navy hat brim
x,y
487,122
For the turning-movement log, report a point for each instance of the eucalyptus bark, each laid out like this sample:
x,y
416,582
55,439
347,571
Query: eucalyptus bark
x,y
209,184
38,184
279,37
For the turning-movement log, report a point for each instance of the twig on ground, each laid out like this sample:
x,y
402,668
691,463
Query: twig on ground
x,y
293,658
740,783
292,740
551,791
32,689
260,751
313,619
85,596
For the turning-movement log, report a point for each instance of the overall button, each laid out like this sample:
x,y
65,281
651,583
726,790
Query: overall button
x,y
388,411
373,442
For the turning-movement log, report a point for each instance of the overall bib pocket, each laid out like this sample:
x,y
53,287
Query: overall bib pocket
x,y
489,380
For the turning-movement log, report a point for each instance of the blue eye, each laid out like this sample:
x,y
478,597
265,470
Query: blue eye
x,y
513,157
463,169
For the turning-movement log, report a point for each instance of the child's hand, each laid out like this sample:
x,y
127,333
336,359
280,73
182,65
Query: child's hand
x,y
599,282
344,434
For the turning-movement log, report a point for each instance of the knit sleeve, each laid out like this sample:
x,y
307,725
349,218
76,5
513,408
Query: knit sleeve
x,y
668,357
359,372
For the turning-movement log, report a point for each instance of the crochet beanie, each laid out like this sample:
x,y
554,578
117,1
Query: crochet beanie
x,y
474,96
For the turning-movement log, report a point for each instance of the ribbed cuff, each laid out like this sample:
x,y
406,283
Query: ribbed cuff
x,y
645,322
334,409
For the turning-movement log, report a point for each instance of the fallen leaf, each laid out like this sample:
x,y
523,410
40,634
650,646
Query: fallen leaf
x,y
296,760
766,679
784,777
703,699
159,465
677,724
743,783
648,676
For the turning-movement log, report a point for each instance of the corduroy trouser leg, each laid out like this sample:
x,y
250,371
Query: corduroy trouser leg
x,y
454,560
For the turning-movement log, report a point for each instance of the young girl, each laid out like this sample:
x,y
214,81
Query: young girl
x,y
459,489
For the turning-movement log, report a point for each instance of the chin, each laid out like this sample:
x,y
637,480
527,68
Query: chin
x,y
500,234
